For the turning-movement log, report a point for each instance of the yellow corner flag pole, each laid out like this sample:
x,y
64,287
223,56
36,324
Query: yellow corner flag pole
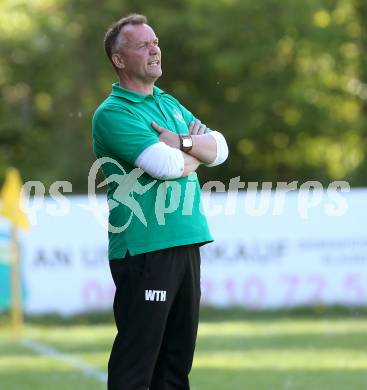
x,y
11,210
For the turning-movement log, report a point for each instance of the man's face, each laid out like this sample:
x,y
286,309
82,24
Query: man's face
x,y
140,53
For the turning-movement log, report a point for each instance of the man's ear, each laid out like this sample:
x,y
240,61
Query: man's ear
x,y
118,60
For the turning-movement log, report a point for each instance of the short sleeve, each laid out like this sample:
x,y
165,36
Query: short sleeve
x,y
119,133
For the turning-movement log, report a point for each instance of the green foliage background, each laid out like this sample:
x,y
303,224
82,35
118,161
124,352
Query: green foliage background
x,y
286,81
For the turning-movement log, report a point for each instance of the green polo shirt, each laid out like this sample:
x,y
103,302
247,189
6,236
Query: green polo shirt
x,y
146,214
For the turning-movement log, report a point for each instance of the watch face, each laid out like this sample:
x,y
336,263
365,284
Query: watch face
x,y
187,142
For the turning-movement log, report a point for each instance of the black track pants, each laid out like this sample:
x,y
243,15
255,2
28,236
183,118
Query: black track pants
x,y
156,310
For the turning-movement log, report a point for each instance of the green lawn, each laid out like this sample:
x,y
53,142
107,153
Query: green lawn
x,y
234,352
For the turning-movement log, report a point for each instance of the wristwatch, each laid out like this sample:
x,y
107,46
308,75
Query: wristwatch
x,y
185,143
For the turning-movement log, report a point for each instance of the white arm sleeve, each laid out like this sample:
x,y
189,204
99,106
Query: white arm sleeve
x,y
161,161
222,149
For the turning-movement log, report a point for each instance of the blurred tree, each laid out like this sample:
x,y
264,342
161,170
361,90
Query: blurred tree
x,y
285,81
359,86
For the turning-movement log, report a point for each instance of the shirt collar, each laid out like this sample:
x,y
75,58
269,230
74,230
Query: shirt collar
x,y
133,96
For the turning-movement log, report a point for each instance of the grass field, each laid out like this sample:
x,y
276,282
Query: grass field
x,y
235,351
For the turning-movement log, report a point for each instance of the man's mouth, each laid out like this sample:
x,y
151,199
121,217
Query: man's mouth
x,y
153,63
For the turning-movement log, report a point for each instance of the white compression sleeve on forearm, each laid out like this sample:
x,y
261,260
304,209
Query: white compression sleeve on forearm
x,y
161,161
222,149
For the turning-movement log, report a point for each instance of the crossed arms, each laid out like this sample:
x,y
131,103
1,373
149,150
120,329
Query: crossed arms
x,y
120,133
165,160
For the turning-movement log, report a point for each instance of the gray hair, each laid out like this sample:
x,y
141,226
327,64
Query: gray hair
x,y
112,42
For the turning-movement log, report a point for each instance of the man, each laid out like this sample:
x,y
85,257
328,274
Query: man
x,y
155,258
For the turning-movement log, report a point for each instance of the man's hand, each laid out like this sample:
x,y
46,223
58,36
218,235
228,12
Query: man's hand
x,y
168,137
197,128
204,146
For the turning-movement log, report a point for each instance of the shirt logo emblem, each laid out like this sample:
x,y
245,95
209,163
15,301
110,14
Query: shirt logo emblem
x,y
178,115
155,295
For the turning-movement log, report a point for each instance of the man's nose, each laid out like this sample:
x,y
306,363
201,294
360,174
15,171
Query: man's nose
x,y
154,49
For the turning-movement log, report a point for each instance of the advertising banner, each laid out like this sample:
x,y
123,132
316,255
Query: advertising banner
x,y
271,250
